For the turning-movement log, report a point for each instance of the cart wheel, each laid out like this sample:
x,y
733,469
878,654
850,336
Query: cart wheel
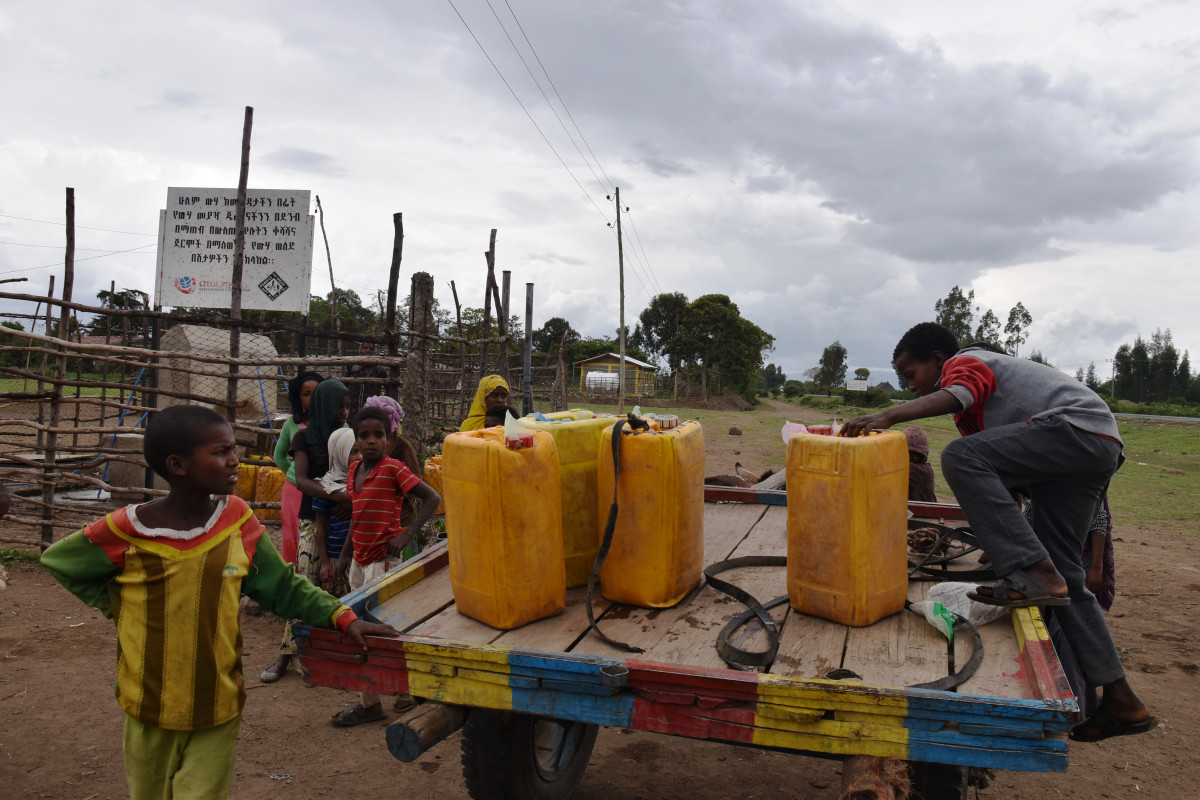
x,y
937,781
509,756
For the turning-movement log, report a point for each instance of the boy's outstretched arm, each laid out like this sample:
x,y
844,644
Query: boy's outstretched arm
x,y
931,405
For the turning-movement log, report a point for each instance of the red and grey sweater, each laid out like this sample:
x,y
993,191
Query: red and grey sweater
x,y
996,389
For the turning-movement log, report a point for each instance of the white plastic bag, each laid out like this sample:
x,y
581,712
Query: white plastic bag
x,y
790,429
949,598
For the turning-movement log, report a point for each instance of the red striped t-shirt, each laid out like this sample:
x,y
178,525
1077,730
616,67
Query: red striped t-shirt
x,y
375,517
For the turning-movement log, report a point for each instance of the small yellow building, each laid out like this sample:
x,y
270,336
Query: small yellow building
x,y
602,374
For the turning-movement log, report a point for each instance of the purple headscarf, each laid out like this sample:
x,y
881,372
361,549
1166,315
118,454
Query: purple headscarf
x,y
394,410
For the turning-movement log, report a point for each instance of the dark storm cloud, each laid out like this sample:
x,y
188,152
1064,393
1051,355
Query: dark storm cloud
x,y
940,162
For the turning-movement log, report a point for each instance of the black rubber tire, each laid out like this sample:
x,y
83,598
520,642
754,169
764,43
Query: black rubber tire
x,y
937,781
508,756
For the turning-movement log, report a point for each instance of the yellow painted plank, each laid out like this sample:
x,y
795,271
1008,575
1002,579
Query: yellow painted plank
x,y
417,603
460,691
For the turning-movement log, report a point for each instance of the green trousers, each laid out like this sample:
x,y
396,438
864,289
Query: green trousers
x,y
179,765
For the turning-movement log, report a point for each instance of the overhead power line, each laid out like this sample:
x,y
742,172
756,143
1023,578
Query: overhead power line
x,y
526,110
80,227
89,258
559,96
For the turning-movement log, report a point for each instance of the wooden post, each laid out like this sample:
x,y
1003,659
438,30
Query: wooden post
x,y
239,252
421,727
416,373
527,366
60,373
112,291
490,257
337,318
874,778
41,436
621,329
152,379
393,336
506,280
465,387
78,380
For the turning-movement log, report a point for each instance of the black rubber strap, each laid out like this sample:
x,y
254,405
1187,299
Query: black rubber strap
x,y
732,655
611,525
964,674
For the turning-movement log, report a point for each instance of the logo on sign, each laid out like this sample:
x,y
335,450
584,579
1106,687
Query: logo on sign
x,y
185,284
273,286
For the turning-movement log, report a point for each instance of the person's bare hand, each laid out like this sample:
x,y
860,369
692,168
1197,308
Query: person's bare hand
x,y
861,426
360,628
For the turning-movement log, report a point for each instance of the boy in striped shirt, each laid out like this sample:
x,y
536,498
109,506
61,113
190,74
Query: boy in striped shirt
x,y
170,573
376,486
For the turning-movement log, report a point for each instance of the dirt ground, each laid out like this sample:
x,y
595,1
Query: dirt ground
x,y
61,731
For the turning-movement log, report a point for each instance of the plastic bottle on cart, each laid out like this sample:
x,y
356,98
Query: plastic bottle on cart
x,y
657,551
847,529
506,552
577,440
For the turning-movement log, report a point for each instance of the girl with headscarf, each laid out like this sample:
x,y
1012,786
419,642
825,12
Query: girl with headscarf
x,y
493,390
332,530
327,411
299,392
401,449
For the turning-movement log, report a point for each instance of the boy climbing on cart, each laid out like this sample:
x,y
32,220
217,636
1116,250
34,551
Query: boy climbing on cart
x,y
1025,424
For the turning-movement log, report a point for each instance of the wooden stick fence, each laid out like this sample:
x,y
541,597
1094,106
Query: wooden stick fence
x,y
71,442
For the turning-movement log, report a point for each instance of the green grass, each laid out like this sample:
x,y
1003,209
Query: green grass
x,y
19,557
30,385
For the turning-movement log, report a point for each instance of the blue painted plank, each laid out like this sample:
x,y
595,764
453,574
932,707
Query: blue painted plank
x,y
615,710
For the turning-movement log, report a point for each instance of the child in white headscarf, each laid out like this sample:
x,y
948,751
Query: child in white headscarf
x,y
332,531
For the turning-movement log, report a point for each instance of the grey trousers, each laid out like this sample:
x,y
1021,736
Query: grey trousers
x,y
1065,470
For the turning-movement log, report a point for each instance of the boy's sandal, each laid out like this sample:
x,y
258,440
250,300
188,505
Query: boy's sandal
x,y
1102,726
404,702
1032,593
272,673
356,715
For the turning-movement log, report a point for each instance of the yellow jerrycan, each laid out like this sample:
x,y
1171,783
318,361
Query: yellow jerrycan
x,y
268,488
504,525
576,435
432,474
657,551
847,526
247,479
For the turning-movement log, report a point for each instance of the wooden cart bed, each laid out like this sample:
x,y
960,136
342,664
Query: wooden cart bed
x,y
1012,714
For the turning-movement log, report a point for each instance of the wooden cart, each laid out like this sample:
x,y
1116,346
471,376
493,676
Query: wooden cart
x,y
533,698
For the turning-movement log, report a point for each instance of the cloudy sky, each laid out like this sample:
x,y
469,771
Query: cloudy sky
x,y
835,168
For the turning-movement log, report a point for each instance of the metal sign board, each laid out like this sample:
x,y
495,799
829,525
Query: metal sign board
x,y
856,386
195,249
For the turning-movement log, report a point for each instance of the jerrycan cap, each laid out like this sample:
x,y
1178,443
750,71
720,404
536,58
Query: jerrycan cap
x,y
515,435
667,421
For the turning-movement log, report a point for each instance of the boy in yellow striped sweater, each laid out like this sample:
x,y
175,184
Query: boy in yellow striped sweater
x,y
170,573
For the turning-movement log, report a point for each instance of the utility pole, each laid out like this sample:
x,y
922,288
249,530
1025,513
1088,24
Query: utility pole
x,y
621,271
